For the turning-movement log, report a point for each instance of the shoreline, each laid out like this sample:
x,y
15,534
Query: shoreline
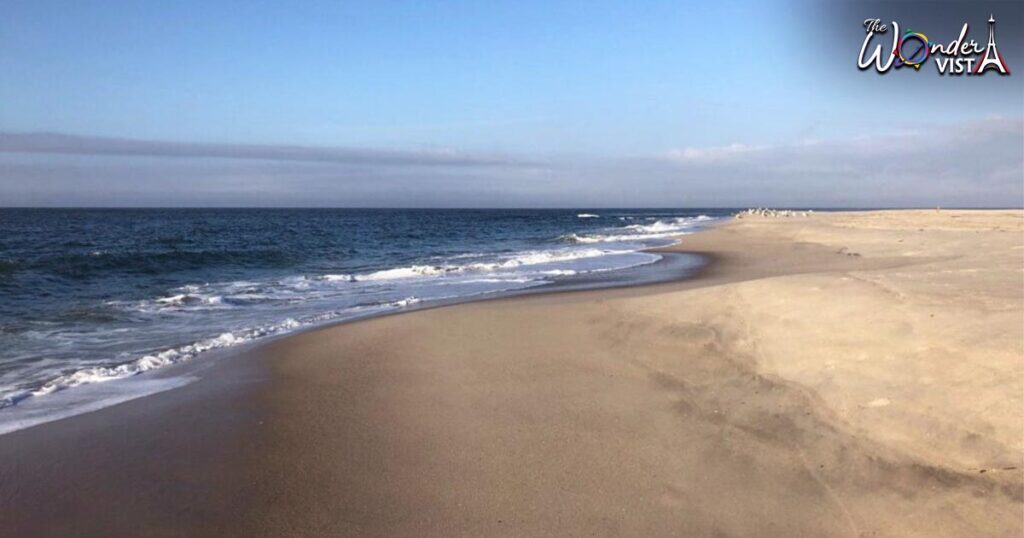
x,y
672,266
448,421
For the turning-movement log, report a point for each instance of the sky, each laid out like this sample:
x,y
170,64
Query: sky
x,y
500,104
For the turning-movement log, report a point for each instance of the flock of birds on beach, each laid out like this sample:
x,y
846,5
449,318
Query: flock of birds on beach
x,y
765,212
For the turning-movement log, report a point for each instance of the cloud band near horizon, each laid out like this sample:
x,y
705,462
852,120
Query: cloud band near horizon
x,y
979,163
67,144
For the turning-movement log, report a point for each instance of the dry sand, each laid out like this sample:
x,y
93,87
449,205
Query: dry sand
x,y
845,374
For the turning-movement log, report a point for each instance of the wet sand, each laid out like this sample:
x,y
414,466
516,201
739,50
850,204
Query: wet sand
x,y
845,374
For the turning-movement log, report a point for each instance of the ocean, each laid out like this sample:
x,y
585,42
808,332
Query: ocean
x,y
92,297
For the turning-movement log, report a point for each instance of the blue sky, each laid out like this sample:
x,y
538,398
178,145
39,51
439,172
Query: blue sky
x,y
572,82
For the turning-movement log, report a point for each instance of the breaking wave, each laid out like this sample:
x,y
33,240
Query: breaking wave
x,y
659,229
174,355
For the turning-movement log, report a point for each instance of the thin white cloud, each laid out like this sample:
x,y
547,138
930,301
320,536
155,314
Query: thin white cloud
x,y
921,141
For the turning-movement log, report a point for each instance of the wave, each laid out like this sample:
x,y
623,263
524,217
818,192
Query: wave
x,y
659,229
337,278
518,261
588,216
462,269
402,303
190,299
520,267
99,374
166,357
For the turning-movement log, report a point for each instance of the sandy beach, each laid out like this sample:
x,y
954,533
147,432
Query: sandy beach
x,y
844,374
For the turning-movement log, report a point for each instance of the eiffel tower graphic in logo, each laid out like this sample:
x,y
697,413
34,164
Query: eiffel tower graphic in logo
x,y
992,59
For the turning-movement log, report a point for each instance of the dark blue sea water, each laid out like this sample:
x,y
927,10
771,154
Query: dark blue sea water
x,y
89,296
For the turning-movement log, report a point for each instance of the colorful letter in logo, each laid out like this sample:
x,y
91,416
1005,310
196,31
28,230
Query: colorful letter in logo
x,y
912,49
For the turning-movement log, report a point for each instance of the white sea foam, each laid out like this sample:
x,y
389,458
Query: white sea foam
x,y
402,303
188,299
337,278
152,361
520,260
403,272
83,400
560,272
659,229
588,216
145,363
